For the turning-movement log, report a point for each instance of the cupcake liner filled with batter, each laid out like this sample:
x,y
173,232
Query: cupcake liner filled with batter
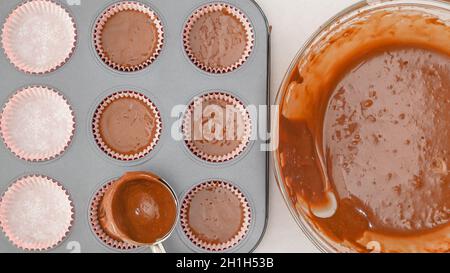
x,y
94,217
127,126
128,36
215,216
217,127
39,36
218,38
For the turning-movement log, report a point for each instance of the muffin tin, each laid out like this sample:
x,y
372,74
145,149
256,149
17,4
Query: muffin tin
x,y
172,82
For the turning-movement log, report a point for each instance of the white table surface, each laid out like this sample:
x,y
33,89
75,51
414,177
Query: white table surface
x,y
293,22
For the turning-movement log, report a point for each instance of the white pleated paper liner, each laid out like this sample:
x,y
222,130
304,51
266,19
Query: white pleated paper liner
x,y
37,124
39,36
36,213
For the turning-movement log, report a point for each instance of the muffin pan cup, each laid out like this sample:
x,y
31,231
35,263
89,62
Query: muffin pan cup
x,y
170,81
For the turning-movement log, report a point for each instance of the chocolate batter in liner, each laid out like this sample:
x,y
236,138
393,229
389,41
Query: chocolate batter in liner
x,y
216,150
364,134
98,229
149,130
212,217
215,51
128,36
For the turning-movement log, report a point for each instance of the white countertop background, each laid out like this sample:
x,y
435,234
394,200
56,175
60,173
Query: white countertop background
x,y
293,22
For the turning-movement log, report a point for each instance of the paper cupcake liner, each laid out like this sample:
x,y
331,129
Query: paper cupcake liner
x,y
111,11
237,239
238,14
39,36
96,125
187,127
25,215
97,228
57,122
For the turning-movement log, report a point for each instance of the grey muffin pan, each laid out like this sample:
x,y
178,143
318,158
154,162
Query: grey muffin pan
x,y
171,80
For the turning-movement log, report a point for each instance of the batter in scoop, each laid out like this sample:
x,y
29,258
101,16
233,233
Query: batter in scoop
x,y
138,209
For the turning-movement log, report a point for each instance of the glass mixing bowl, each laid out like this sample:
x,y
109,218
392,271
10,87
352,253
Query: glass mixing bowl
x,y
343,20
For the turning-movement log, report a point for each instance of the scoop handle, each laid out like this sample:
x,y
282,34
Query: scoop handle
x,y
158,248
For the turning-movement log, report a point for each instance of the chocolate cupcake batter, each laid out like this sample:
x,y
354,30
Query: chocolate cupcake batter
x,y
367,152
387,131
138,209
218,39
129,38
217,127
215,215
128,126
